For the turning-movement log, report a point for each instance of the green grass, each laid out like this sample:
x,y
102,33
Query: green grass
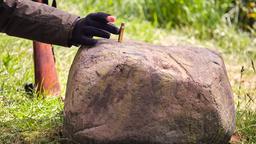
x,y
30,119
23,117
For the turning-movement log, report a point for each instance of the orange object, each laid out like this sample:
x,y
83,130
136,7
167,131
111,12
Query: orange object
x,y
46,78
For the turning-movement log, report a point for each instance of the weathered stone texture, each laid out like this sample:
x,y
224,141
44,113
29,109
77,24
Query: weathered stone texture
x,y
140,93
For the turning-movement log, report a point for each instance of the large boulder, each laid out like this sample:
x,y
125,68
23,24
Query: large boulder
x,y
137,93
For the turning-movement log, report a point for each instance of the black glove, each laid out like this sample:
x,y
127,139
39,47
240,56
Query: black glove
x,y
95,24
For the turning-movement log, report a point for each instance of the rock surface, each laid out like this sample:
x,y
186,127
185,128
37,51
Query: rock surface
x,y
138,93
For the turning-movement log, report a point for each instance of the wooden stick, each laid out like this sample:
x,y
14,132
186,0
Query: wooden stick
x,y
121,34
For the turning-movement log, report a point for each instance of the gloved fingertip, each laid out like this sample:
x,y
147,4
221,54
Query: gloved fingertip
x,y
107,35
116,31
112,28
99,16
102,14
92,42
88,41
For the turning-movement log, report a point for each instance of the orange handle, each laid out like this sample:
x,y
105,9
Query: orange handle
x,y
46,78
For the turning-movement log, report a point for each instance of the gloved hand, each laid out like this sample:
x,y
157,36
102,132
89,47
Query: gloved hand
x,y
95,24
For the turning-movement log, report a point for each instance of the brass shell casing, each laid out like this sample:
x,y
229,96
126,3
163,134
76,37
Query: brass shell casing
x,y
121,33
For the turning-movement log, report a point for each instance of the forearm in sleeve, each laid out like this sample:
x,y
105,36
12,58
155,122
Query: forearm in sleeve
x,y
35,21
